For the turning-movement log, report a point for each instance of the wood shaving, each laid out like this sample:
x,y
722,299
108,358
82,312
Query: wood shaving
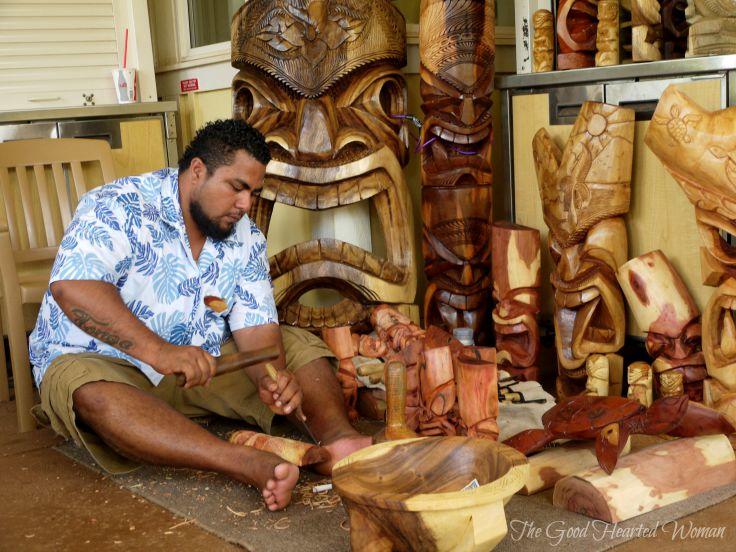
x,y
185,522
282,524
344,525
235,513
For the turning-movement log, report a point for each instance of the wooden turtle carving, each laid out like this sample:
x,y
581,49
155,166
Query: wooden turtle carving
x,y
610,421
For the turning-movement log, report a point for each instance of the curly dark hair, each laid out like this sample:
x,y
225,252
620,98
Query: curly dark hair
x,y
216,143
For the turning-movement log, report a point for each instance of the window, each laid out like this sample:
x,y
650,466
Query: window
x,y
209,21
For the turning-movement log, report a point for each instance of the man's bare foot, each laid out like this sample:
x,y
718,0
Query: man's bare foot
x,y
340,448
269,473
277,492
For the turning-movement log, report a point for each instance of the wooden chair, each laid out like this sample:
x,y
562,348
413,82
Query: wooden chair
x,y
41,182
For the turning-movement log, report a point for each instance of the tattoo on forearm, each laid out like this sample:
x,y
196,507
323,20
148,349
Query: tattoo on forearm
x,y
99,329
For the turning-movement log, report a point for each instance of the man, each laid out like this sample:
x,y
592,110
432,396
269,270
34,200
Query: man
x,y
124,315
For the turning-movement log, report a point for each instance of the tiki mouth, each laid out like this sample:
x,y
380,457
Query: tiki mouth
x,y
345,312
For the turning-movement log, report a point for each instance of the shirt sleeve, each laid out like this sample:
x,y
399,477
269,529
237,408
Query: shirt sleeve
x,y
97,245
254,304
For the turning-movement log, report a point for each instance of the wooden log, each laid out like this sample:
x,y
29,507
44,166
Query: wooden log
x,y
296,452
549,466
456,172
543,51
477,394
640,379
646,30
589,312
408,495
607,38
307,122
649,479
577,22
517,278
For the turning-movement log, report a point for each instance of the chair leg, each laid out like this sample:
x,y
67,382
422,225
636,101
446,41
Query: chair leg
x,y
4,385
22,381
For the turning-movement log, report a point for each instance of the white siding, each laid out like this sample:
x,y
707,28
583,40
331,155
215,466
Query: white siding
x,y
53,51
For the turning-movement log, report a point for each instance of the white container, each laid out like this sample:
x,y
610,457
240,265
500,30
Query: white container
x,y
125,81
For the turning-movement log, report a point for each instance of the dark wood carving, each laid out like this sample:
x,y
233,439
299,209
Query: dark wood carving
x,y
322,82
610,421
577,26
665,310
585,192
456,50
516,282
674,29
698,148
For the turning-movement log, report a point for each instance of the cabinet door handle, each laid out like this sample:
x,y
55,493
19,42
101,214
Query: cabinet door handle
x,y
57,98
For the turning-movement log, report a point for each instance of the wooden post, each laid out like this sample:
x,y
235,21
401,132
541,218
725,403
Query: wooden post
x,y
649,479
516,282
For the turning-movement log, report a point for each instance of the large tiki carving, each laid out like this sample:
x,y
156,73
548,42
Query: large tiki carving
x,y
456,45
698,148
585,192
577,25
321,80
665,310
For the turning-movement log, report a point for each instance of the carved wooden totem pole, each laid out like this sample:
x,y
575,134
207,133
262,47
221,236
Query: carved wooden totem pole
x,y
665,310
712,27
698,148
585,192
674,29
322,81
516,282
543,53
607,39
577,23
456,50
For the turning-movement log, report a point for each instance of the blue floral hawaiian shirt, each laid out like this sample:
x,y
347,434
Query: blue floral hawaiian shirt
x,y
131,233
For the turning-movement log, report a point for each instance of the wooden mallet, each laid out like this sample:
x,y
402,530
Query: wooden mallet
x,y
238,361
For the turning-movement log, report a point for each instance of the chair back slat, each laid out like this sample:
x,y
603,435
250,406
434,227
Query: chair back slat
x,y
27,206
46,204
8,200
60,183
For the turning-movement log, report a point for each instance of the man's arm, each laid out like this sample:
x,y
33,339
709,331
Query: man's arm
x,y
283,396
97,309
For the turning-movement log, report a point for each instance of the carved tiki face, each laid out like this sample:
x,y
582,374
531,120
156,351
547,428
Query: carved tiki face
x,y
456,45
321,80
699,149
665,310
585,191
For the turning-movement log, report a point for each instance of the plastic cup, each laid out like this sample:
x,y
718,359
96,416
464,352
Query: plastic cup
x,y
125,81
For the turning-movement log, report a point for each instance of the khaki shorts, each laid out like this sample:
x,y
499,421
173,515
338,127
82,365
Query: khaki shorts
x,y
230,395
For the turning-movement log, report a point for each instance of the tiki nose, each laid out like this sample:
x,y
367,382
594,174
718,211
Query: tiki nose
x,y
315,131
467,113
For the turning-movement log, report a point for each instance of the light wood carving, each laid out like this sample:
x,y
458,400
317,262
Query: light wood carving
x,y
712,27
649,479
697,147
543,50
296,452
322,82
408,495
340,343
674,28
549,466
607,38
476,378
640,379
597,372
585,192
665,310
437,384
516,282
577,22
646,30
456,52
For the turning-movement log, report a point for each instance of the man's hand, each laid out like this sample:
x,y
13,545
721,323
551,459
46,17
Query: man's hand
x,y
197,365
282,395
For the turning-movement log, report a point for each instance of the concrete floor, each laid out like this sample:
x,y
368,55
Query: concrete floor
x,y
48,502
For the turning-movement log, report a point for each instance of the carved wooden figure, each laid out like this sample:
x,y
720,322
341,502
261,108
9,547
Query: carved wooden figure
x,y
640,380
516,282
607,38
322,81
697,147
395,378
585,192
712,27
296,452
438,391
577,23
476,378
340,343
543,50
456,51
646,30
674,29
649,479
665,310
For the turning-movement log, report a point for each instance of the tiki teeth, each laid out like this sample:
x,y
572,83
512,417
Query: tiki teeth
x,y
728,335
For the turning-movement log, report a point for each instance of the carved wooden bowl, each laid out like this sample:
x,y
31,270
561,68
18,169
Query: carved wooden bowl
x,y
407,494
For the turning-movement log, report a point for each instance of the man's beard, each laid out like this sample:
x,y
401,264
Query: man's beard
x,y
208,226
